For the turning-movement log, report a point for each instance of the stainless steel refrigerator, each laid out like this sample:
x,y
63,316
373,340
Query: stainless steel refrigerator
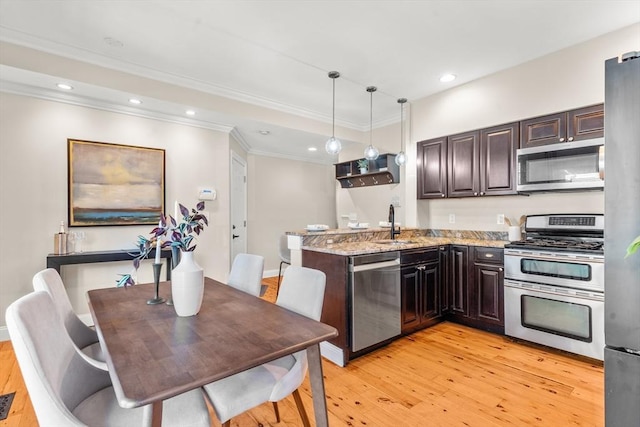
x,y
622,225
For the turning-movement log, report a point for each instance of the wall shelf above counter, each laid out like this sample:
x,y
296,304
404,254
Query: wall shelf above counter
x,y
381,171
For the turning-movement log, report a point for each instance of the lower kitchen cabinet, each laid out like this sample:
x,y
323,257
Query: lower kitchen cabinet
x,y
475,283
459,281
420,288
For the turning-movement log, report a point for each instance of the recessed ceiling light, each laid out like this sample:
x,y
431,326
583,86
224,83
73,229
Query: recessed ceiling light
x,y
447,78
190,113
264,132
312,149
135,101
64,86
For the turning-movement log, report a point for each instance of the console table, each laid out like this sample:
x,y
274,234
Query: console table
x,y
56,261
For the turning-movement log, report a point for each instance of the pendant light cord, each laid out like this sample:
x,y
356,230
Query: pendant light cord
x,y
402,126
371,89
333,121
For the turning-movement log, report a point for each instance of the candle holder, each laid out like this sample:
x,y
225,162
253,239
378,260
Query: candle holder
x,y
175,260
157,267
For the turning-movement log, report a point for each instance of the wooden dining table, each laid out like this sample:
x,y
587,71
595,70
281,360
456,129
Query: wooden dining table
x,y
153,355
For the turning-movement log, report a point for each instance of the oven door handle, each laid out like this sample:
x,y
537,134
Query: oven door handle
x,y
564,258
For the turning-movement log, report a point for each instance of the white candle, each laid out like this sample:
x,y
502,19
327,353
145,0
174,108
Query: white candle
x,y
158,246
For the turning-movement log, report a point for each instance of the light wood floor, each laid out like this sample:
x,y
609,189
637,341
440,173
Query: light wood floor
x,y
448,375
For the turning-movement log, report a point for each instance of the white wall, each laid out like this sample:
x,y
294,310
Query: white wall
x,y
286,195
568,79
33,190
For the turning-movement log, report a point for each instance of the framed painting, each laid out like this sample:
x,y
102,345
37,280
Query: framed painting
x,y
113,184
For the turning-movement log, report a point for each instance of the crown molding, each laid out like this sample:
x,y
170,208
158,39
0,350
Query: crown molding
x,y
67,98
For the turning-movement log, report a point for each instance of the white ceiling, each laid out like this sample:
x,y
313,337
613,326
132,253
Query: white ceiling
x,y
276,54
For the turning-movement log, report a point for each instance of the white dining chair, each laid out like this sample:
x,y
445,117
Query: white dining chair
x,y
84,338
246,273
302,291
65,389
285,257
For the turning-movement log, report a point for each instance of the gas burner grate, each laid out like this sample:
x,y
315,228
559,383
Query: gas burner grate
x,y
560,244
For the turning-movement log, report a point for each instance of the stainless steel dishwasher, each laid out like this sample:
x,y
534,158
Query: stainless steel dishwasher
x,y
375,298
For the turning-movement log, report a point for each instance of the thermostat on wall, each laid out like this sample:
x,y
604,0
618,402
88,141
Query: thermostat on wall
x,y
206,193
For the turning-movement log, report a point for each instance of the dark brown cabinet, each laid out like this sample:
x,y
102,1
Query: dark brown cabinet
x,y
566,126
380,171
488,280
459,281
432,168
470,164
420,289
445,278
475,282
463,151
498,147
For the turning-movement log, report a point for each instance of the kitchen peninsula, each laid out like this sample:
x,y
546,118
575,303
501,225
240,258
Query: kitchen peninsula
x,y
379,289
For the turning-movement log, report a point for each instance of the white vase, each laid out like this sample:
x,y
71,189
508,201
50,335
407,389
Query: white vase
x,y
187,286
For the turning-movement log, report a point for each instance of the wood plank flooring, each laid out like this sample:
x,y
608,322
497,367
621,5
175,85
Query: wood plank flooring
x,y
447,375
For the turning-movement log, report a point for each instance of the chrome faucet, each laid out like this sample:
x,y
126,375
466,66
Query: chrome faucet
x,y
392,220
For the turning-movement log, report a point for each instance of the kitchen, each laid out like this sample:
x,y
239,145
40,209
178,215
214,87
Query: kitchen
x,y
472,106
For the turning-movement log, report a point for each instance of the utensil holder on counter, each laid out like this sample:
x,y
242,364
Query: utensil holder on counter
x,y
514,233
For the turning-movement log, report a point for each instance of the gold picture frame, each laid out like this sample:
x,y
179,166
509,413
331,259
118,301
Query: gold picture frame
x,y
114,184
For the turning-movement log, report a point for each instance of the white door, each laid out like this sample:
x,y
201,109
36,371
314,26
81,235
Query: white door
x,y
238,205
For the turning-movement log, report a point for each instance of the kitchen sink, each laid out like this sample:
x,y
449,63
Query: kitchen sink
x,y
394,242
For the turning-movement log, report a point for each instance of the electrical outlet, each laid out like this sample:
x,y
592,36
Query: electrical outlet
x,y
500,219
452,218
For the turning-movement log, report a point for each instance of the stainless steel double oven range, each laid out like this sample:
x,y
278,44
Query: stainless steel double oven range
x,y
554,283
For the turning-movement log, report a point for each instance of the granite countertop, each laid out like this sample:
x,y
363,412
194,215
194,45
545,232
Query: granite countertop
x,y
349,242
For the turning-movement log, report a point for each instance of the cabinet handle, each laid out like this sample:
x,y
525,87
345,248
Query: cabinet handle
x,y
501,269
442,248
475,193
561,139
482,193
570,139
442,195
421,267
488,255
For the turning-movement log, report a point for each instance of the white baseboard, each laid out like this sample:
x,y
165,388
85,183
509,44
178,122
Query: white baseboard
x,y
332,353
4,333
270,273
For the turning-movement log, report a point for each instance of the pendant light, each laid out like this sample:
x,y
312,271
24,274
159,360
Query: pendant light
x,y
333,145
401,157
371,152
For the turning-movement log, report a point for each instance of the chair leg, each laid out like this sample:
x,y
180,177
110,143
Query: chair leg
x,y
300,405
277,411
279,278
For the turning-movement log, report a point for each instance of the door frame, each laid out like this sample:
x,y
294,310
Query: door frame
x,y
235,157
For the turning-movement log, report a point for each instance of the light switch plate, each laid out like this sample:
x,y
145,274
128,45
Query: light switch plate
x,y
452,218
500,219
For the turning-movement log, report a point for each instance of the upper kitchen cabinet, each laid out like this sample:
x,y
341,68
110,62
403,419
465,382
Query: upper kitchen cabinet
x,y
432,168
483,163
463,156
380,171
567,126
498,147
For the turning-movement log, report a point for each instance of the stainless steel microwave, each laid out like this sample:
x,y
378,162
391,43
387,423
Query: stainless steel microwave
x,y
568,166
